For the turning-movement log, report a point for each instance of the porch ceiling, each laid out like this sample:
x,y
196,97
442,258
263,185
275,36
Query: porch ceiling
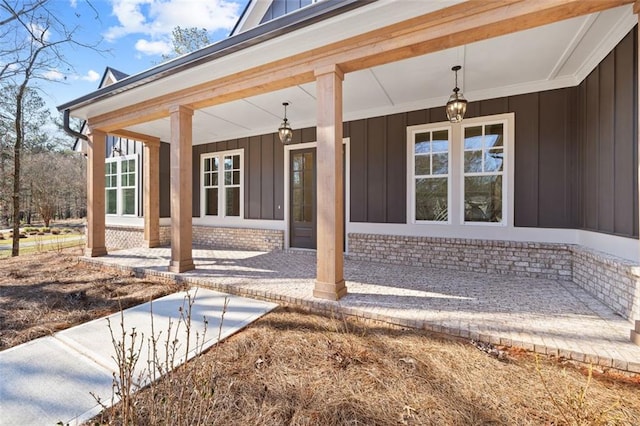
x,y
547,57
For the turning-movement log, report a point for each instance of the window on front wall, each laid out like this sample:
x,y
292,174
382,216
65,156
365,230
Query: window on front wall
x,y
222,184
483,173
431,175
121,185
458,173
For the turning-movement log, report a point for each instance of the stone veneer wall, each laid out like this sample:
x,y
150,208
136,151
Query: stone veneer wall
x,y
612,280
238,238
502,257
124,237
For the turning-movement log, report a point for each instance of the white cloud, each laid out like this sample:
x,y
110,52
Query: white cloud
x,y
157,18
91,75
73,3
39,32
153,47
54,75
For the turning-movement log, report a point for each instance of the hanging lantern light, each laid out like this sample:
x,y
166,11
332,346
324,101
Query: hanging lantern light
x,y
457,104
284,131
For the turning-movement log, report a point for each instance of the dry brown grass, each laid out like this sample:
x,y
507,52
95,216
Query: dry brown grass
x,y
46,292
296,368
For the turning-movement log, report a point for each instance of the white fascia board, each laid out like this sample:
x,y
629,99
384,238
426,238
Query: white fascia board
x,y
358,21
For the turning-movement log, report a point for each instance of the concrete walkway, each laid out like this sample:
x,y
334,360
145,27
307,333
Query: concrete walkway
x,y
542,315
49,380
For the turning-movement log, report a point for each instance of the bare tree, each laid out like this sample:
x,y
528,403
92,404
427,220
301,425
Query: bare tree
x,y
186,40
31,41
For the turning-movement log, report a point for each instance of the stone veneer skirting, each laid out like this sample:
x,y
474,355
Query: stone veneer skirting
x,y
238,238
125,237
614,281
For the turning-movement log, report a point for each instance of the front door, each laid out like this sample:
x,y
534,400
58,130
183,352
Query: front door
x,y
303,198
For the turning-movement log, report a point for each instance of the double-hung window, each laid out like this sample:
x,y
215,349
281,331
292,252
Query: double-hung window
x,y
483,172
121,185
459,173
431,175
222,177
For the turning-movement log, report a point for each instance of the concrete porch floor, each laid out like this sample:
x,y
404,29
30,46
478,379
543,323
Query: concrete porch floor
x,y
541,315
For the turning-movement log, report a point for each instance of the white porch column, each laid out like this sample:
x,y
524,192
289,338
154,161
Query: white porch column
x,y
330,272
151,192
181,181
96,145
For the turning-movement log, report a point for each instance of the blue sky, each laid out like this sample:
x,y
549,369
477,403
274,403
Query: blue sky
x,y
135,33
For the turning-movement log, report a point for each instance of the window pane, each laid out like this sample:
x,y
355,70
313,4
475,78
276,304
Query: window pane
x,y
473,137
228,163
227,178
493,160
128,201
236,162
111,201
432,199
125,167
493,135
124,180
207,164
236,178
423,164
214,179
207,179
211,202
440,164
233,201
483,199
422,145
473,161
297,163
440,141
215,162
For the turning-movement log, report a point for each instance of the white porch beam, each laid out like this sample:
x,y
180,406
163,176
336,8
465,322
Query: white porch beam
x,y
330,215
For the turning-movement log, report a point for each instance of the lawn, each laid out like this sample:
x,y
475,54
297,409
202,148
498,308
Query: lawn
x,y
33,240
294,367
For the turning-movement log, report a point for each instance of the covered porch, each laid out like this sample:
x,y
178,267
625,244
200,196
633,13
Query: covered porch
x,y
230,90
543,315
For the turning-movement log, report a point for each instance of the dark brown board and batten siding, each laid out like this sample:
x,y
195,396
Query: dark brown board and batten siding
x,y
575,156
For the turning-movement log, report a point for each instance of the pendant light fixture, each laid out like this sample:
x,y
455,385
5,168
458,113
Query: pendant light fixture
x,y
284,131
457,105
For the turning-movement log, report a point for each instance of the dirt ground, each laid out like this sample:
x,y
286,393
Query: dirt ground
x,y
293,367
45,292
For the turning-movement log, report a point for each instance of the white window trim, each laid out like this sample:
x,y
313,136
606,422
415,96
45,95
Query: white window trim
x,y
456,172
507,160
411,176
119,207
221,217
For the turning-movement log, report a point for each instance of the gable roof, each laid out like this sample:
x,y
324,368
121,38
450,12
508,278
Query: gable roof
x,y
110,76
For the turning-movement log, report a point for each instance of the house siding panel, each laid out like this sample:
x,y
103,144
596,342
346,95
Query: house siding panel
x,y
376,170
527,121
267,168
607,135
165,180
358,146
396,176
624,217
252,177
554,173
